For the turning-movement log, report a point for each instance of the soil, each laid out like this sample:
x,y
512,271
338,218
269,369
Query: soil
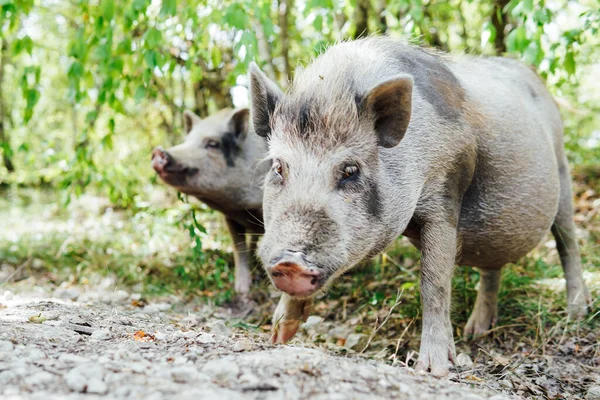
x,y
114,345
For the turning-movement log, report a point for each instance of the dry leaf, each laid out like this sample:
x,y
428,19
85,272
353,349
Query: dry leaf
x,y
141,336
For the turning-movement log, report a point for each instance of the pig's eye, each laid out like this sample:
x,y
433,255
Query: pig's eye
x,y
212,144
278,170
349,174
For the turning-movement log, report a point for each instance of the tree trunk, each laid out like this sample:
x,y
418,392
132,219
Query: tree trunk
x,y
285,7
361,18
4,139
264,50
499,20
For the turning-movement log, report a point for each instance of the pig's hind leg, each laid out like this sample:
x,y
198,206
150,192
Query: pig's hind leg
x,y
563,230
485,312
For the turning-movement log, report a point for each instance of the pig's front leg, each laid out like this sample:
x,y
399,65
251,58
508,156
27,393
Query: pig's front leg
x,y
289,314
438,245
241,257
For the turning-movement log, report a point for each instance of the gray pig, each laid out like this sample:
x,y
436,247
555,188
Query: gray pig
x,y
220,164
378,138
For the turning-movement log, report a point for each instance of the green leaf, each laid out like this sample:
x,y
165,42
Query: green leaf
x,y
140,94
152,37
150,59
23,44
169,8
107,9
570,63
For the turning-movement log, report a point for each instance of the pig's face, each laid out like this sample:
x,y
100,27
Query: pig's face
x,y
215,162
323,202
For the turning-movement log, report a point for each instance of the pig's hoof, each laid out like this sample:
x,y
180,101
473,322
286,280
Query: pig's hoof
x,y
578,310
284,331
480,322
436,358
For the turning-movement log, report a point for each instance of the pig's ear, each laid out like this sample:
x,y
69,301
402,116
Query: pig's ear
x,y
265,95
389,106
189,120
238,124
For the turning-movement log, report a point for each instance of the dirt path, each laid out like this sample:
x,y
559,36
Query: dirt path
x,y
54,348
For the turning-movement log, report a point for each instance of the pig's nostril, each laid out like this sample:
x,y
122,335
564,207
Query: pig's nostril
x,y
313,281
276,274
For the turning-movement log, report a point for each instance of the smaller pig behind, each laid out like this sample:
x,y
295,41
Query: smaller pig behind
x,y
220,164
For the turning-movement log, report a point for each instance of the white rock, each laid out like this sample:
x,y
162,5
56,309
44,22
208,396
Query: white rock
x,y
72,358
162,306
67,293
221,369
356,341
150,309
243,345
464,360
8,295
312,322
80,378
96,386
190,334
184,374
101,334
593,393
205,338
39,379
219,329
6,346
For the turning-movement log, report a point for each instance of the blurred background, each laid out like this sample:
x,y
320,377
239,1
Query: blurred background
x,y
88,88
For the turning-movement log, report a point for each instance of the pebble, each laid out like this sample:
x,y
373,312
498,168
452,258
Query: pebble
x,y
39,379
101,334
464,360
86,378
67,293
72,358
221,369
205,338
184,374
312,322
219,329
356,341
242,345
593,393
6,346
8,295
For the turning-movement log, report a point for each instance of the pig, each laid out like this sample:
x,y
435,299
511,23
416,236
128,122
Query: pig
x,y
219,163
378,138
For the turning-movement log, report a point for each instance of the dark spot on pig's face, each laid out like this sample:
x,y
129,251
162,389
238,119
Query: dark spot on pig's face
x,y
230,148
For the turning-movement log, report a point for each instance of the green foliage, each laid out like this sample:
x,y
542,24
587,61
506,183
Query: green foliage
x,y
88,88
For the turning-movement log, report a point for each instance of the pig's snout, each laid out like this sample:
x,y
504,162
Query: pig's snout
x,y
292,275
161,160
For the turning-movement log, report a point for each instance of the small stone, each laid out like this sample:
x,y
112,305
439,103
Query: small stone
x,y
593,393
205,338
507,384
184,374
82,377
72,359
8,295
101,334
219,329
150,309
39,379
356,341
96,386
221,369
312,322
464,360
67,293
242,345
6,346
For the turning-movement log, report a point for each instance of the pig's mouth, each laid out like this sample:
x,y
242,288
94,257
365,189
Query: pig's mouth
x,y
169,169
292,274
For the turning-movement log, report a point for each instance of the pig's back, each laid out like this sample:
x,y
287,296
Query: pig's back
x,y
513,198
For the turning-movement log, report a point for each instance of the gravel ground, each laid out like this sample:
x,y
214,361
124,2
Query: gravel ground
x,y
113,346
